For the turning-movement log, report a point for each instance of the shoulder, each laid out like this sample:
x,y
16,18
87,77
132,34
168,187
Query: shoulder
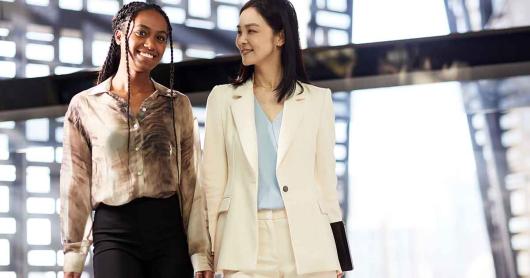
x,y
222,93
315,92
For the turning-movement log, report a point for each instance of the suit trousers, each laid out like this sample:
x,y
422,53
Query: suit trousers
x,y
275,252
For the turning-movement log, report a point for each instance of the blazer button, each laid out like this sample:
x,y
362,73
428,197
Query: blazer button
x,y
285,188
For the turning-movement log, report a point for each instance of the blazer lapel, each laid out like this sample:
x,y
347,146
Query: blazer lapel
x,y
243,113
293,114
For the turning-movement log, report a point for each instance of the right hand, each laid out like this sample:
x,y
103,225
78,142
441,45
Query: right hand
x,y
72,275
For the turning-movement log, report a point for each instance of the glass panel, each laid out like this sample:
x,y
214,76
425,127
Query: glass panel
x,y
5,252
7,274
38,129
337,37
38,2
176,15
39,231
40,205
177,55
66,70
37,70
8,124
41,258
4,147
8,69
227,17
38,179
333,19
9,49
66,55
58,154
337,5
199,8
8,225
40,52
109,7
99,51
49,274
4,198
75,5
8,173
200,53
40,154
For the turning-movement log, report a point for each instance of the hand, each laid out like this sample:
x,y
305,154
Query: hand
x,y
340,274
72,275
204,274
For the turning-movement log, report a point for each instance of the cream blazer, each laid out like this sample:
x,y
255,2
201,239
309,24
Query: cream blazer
x,y
305,170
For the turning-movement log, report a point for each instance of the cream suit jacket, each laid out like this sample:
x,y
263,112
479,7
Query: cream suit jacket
x,y
305,171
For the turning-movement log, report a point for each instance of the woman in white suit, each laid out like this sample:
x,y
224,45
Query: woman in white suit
x,y
268,168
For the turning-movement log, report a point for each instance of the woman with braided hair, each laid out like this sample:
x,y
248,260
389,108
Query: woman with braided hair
x,y
129,154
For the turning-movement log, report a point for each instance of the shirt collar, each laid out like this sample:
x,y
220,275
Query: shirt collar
x,y
104,87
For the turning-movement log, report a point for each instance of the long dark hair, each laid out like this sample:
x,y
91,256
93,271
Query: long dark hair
x,y
281,17
122,21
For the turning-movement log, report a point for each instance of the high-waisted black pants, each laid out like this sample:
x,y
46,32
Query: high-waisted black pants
x,y
141,239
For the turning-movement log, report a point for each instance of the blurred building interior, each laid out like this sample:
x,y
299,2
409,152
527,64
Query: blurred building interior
x,y
432,122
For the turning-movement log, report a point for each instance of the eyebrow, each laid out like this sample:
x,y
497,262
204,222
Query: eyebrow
x,y
249,25
147,27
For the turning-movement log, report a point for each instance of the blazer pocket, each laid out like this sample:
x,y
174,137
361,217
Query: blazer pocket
x,y
224,205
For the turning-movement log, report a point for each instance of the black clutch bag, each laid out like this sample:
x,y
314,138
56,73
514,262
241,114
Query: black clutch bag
x,y
341,241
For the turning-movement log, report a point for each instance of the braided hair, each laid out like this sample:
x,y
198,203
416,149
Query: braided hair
x,y
121,21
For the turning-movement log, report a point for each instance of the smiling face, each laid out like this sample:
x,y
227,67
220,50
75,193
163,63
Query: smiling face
x,y
256,40
148,36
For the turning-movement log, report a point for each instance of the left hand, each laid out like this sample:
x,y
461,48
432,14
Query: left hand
x,y
204,274
340,274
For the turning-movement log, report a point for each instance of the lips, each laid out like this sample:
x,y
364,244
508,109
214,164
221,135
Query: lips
x,y
245,51
147,54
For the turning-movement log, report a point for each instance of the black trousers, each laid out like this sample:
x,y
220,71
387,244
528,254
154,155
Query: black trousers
x,y
141,239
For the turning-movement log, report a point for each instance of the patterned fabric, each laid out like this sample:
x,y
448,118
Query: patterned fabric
x,y
101,166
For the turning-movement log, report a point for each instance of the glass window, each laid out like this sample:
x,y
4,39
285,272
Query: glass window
x,y
8,225
8,69
5,252
4,199
227,17
7,124
39,52
109,7
75,5
199,8
37,70
8,274
48,274
8,173
38,2
4,147
177,55
333,19
176,15
40,205
39,231
41,258
40,154
38,179
39,33
338,37
100,49
38,129
66,70
9,49
71,50
200,53
58,154
197,23
337,5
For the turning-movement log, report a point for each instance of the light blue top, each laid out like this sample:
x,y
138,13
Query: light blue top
x,y
269,196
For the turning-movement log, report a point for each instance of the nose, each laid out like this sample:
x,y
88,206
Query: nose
x,y
149,43
241,40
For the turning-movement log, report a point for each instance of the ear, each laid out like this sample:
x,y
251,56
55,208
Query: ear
x,y
118,35
280,39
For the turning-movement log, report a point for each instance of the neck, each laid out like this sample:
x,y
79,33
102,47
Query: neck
x,y
268,74
140,81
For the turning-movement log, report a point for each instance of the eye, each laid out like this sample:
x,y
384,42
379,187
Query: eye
x,y
161,38
238,32
141,33
252,31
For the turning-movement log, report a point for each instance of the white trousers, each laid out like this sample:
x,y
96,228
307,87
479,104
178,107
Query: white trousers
x,y
275,252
